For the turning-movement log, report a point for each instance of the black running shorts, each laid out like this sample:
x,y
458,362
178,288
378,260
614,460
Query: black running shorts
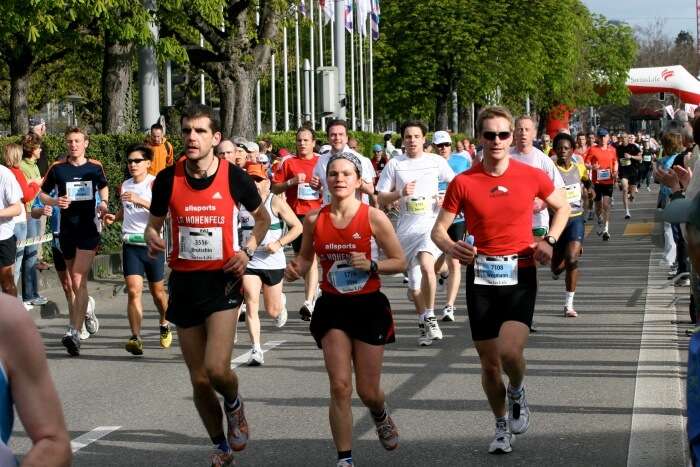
x,y
8,251
269,277
296,243
194,296
603,190
365,317
490,306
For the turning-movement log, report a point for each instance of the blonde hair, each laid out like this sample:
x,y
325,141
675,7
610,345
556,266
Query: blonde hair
x,y
12,155
487,113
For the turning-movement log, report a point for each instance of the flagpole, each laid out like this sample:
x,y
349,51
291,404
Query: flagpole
x,y
361,73
273,106
339,33
332,34
258,112
320,52
371,85
312,93
352,75
296,41
286,81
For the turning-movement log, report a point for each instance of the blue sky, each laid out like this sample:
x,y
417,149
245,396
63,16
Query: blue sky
x,y
678,14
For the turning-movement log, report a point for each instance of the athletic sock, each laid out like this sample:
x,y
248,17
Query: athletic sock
x,y
257,347
345,455
515,392
379,416
427,313
606,226
569,299
232,405
502,420
220,443
134,336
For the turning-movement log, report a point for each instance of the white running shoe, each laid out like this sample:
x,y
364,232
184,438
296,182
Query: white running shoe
x,y
569,312
627,215
281,319
306,310
423,339
432,330
256,357
502,441
344,463
84,334
518,414
28,306
92,324
448,313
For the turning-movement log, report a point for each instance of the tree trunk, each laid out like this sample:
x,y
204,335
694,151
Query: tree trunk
x,y
244,106
19,66
227,106
441,115
116,80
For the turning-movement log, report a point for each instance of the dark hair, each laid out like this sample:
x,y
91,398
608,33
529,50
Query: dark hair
x,y
309,129
565,136
199,111
145,151
157,126
413,123
387,137
336,122
29,143
76,129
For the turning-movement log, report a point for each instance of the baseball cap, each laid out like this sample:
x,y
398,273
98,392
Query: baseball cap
x,y
283,152
256,171
250,146
263,159
325,148
440,137
377,147
683,211
36,120
602,132
239,140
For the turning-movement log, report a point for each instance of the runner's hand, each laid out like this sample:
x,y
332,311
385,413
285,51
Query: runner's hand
x,y
315,183
108,219
463,252
48,211
130,197
273,247
102,208
237,264
292,272
542,252
538,205
409,188
63,202
155,245
683,175
359,261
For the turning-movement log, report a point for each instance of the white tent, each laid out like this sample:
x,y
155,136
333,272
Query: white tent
x,y
674,79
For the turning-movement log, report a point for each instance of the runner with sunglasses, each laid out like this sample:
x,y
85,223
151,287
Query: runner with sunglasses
x,y
352,320
496,197
135,195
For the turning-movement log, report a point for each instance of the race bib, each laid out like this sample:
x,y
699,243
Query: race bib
x,y
418,205
646,158
573,193
79,191
603,174
624,162
201,244
305,192
496,270
345,278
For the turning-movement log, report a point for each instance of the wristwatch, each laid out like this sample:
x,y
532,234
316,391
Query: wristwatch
x,y
551,240
249,252
373,266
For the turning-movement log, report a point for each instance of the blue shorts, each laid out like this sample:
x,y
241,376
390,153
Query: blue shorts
x,y
574,232
136,262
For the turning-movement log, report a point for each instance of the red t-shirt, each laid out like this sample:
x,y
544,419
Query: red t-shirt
x,y
607,164
498,210
289,169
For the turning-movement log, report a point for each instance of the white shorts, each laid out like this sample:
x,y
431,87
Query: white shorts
x,y
413,244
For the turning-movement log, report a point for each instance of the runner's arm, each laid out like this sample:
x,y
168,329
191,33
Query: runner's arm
x,y
33,391
291,219
262,224
12,210
388,242
299,266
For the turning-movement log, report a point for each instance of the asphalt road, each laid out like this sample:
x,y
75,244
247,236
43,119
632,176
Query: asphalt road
x,y
596,399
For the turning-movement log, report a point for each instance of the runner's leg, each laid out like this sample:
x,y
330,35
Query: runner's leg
x,y
134,307
272,295
251,295
337,354
78,268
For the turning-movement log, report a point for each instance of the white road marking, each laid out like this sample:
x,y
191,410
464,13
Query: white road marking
x,y
91,436
657,436
242,359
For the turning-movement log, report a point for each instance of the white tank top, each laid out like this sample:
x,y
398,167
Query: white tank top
x,y
262,259
136,217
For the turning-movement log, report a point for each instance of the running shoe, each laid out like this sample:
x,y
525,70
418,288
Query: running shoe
x,y
518,414
405,279
606,236
256,357
432,330
84,334
683,282
628,216
423,339
600,229
448,313
344,463
672,271
590,215
555,275
387,433
166,336
569,312
221,459
649,188
502,441
38,301
237,427
71,342
281,319
306,310
28,305
134,346
241,313
92,324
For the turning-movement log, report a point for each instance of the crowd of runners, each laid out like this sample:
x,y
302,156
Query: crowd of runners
x,y
226,215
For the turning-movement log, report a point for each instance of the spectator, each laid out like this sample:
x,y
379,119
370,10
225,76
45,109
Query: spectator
x,y
353,144
226,150
162,149
252,151
37,126
379,160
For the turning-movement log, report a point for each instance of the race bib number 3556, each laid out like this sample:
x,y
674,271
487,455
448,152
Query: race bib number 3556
x,y
201,244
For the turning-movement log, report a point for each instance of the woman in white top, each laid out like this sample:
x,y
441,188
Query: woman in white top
x,y
266,269
135,195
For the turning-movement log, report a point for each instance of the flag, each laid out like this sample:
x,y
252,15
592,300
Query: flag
x,y
364,7
328,7
348,15
302,8
374,18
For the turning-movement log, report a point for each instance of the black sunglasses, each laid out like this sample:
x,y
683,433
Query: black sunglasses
x,y
491,135
134,161
444,145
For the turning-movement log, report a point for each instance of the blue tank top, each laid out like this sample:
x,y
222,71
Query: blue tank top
x,y
6,420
